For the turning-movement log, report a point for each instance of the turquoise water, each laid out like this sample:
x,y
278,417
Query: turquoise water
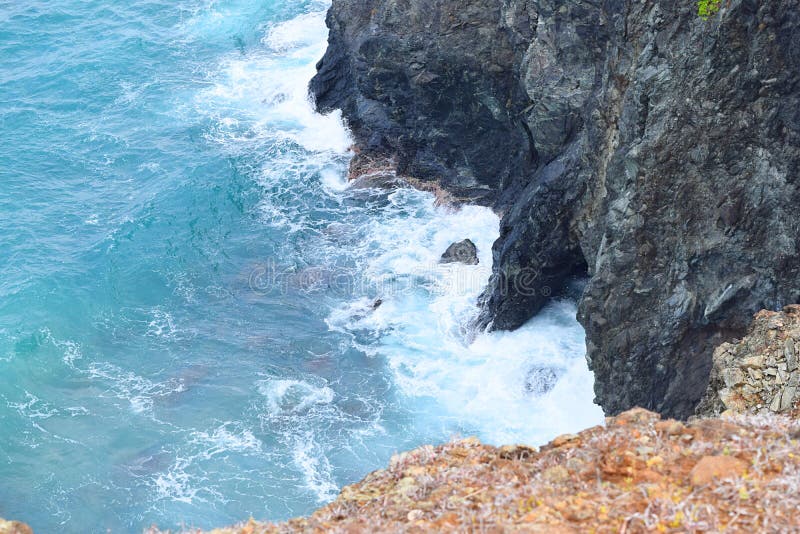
x,y
187,332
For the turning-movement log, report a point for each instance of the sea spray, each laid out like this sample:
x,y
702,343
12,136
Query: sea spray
x,y
459,381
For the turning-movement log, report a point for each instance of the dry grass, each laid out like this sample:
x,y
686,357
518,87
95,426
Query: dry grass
x,y
634,475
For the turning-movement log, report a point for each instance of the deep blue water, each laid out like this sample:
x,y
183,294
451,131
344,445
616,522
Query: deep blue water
x,y
186,283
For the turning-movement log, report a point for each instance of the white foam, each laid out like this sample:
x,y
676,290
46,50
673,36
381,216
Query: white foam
x,y
131,93
298,407
333,180
161,325
259,104
484,384
140,392
71,350
33,407
34,410
151,166
423,327
176,484
293,396
306,30
228,437
312,462
265,95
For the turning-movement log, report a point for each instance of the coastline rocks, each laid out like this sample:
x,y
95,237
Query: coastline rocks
x,y
371,173
633,143
636,474
760,373
462,252
407,74
377,172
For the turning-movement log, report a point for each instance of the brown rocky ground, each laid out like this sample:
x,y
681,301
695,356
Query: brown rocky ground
x,y
637,474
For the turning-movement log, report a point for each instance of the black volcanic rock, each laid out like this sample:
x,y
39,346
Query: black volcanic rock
x,y
462,252
407,75
628,141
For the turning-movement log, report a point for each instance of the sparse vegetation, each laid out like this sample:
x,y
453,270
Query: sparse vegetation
x,y
638,474
707,8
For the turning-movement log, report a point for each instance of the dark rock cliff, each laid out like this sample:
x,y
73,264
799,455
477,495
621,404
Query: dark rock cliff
x,y
626,140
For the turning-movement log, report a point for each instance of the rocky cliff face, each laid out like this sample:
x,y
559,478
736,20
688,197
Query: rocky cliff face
x,y
631,142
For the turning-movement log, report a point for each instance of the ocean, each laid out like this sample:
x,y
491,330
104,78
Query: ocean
x,y
189,328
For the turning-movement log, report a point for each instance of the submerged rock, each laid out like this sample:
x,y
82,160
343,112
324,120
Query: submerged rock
x,y
631,142
541,380
462,252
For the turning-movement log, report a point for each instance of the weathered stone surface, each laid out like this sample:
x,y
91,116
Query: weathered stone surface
x,y
407,74
790,353
630,141
759,372
462,252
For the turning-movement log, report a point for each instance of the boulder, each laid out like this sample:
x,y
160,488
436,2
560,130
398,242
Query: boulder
x,y
541,380
462,252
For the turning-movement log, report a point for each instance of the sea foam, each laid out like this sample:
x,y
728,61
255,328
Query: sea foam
x,y
484,383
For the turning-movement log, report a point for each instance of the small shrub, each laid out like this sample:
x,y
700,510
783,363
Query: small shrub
x,y
707,8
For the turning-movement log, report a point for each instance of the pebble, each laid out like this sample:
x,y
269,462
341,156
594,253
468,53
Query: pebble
x,y
791,355
787,398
